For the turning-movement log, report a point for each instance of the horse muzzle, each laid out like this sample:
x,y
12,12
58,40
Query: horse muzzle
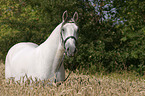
x,y
71,51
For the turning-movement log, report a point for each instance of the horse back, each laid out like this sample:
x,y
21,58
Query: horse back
x,y
14,50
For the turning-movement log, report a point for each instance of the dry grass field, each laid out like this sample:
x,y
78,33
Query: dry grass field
x,y
78,85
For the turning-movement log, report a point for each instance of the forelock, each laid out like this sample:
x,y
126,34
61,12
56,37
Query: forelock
x,y
68,20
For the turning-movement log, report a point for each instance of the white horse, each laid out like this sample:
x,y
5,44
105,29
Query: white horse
x,y
43,61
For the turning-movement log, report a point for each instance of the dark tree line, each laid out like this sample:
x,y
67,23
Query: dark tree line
x,y
111,32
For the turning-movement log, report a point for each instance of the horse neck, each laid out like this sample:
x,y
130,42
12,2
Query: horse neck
x,y
49,48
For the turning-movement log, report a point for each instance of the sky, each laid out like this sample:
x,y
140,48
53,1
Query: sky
x,y
107,14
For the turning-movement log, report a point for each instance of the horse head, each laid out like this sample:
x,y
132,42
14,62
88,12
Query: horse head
x,y
69,33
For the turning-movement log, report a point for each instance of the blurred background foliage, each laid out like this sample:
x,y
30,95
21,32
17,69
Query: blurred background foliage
x,y
111,32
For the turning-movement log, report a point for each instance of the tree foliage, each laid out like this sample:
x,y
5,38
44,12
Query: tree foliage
x,y
111,32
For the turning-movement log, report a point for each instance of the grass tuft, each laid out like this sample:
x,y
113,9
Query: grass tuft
x,y
125,84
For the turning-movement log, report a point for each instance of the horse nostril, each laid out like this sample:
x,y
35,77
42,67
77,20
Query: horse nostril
x,y
67,49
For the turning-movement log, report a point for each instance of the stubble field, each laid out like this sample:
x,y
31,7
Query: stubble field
x,y
125,84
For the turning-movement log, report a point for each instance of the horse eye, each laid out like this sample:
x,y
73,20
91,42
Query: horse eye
x,y
62,29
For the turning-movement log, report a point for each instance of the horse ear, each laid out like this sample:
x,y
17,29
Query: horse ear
x,y
75,16
64,16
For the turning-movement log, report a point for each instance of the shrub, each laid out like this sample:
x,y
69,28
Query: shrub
x,y
103,46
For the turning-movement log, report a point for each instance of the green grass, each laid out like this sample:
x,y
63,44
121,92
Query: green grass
x,y
114,84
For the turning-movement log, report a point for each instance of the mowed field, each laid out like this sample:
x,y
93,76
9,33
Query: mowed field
x,y
125,84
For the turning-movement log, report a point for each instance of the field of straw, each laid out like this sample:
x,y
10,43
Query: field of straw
x,y
77,84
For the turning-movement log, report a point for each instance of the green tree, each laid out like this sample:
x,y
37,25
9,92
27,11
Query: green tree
x,y
111,32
